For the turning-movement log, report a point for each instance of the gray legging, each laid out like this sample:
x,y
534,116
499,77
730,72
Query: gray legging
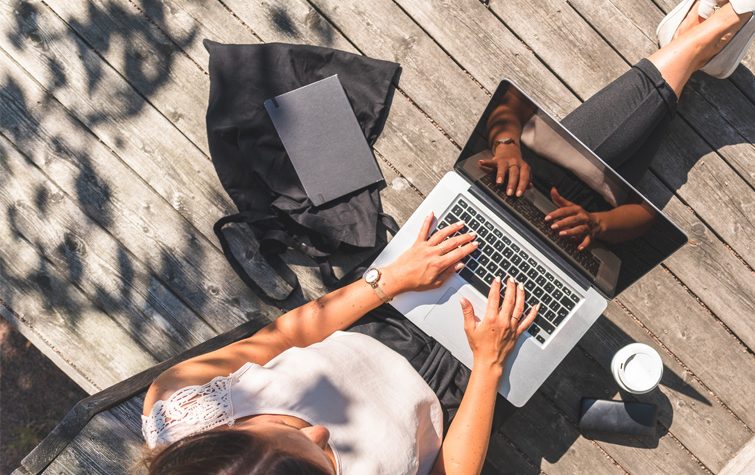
x,y
624,124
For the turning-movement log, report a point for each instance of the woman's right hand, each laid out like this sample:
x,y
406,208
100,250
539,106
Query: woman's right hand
x,y
431,260
494,337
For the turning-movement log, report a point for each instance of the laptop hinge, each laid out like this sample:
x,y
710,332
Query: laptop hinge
x,y
532,238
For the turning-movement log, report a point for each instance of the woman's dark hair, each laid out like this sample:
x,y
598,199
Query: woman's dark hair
x,y
228,452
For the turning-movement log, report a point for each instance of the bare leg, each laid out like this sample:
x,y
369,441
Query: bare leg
x,y
690,21
693,48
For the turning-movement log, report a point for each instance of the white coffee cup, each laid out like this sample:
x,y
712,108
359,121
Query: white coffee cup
x,y
637,368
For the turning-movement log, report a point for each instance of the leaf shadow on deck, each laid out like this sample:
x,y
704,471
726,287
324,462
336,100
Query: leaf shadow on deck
x,y
145,294
286,25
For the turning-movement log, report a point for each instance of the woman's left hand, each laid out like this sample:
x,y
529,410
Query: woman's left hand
x,y
571,220
431,260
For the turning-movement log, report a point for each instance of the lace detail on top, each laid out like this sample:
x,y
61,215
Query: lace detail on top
x,y
188,411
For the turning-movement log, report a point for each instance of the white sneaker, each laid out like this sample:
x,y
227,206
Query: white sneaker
x,y
743,6
670,23
706,8
726,61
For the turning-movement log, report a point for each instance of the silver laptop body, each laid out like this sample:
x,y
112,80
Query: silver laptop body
x,y
580,300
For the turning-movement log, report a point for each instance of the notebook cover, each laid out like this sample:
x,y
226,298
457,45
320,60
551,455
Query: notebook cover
x,y
323,140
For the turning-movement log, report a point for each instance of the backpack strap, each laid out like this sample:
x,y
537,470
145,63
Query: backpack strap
x,y
275,241
270,254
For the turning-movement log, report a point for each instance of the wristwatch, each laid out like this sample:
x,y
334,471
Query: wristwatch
x,y
503,140
372,277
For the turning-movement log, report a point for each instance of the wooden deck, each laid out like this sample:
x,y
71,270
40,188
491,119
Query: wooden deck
x,y
109,265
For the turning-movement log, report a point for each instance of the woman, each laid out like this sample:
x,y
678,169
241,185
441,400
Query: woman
x,y
302,396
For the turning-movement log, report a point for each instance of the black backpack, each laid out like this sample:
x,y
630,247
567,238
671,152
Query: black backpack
x,y
255,171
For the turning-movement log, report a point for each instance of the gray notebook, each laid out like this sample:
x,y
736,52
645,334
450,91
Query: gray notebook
x,y
323,140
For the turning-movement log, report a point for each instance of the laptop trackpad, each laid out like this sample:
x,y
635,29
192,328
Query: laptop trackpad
x,y
445,322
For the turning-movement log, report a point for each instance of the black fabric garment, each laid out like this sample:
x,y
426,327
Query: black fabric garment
x,y
251,161
625,123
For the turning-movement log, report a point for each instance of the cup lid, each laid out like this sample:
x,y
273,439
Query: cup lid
x,y
640,367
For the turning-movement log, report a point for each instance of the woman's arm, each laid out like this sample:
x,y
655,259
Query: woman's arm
x,y
506,121
620,224
509,116
491,340
427,264
624,222
300,327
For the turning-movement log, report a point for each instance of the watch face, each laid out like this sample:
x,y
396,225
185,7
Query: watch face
x,y
371,276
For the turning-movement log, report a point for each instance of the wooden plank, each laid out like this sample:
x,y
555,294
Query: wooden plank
x,y
39,301
730,294
685,404
743,77
122,119
105,446
174,249
717,110
552,29
442,20
129,412
685,162
708,185
59,157
404,43
93,261
621,23
427,70
126,207
503,458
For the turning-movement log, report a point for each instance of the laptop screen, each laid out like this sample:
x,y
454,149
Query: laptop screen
x,y
604,228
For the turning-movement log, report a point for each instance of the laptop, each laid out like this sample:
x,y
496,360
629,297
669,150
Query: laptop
x,y
572,285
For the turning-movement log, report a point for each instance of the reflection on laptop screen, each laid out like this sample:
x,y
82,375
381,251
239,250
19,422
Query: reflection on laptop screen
x,y
567,179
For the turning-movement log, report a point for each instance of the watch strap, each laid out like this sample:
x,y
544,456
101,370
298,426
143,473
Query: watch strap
x,y
376,285
380,293
502,140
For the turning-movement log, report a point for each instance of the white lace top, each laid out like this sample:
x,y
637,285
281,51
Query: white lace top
x,y
382,416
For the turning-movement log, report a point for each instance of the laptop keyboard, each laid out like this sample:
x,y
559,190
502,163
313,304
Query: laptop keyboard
x,y
534,216
499,255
